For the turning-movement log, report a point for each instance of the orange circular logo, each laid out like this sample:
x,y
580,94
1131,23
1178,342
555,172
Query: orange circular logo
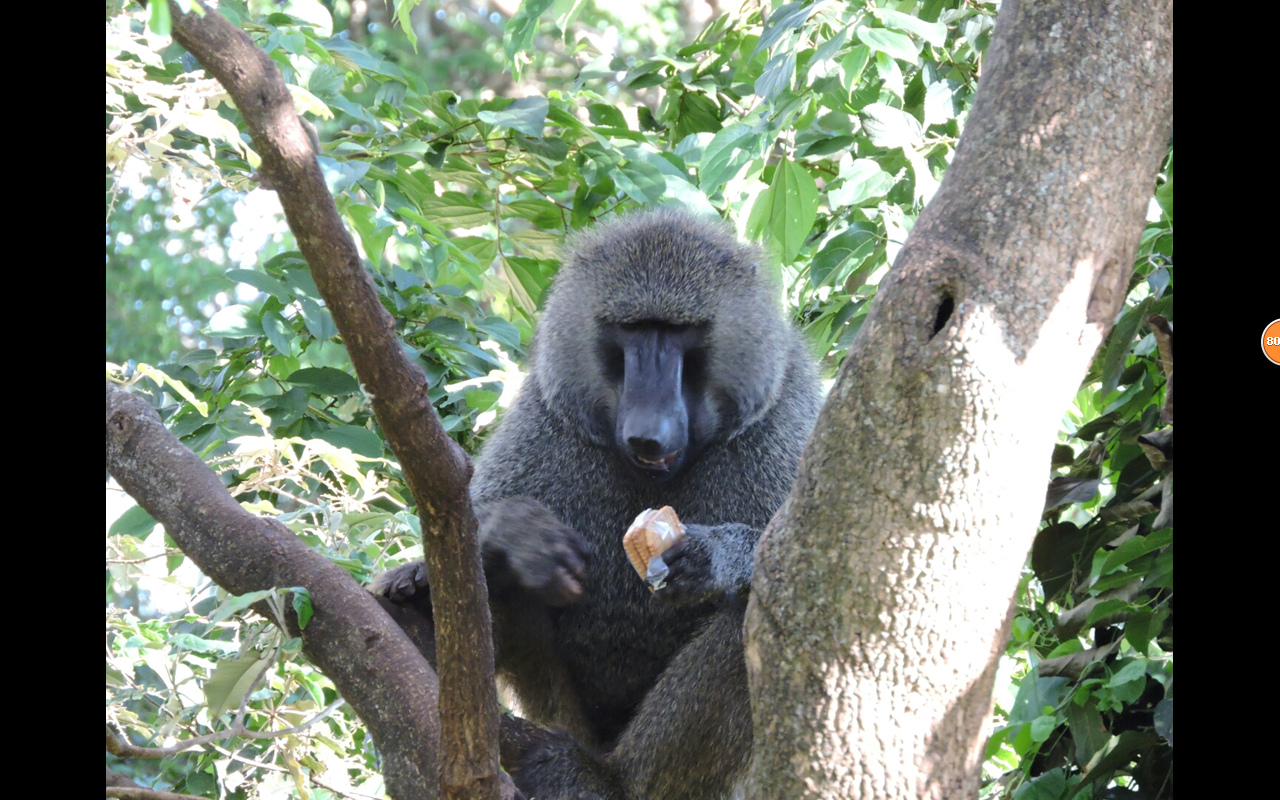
x,y
1271,342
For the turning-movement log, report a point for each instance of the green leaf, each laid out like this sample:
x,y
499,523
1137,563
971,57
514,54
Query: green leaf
x,y
229,682
317,319
324,380
527,115
609,116
302,605
373,228
326,80
697,114
188,641
1118,345
500,330
260,281
934,33
1135,547
863,179
1106,608
776,77
521,28
158,21
452,210
1050,785
1054,554
849,247
481,399
1042,727
794,206
1088,731
886,126
890,43
277,330
238,603
1132,670
1164,196
827,146
725,156
1035,693
641,181
135,522
852,65
360,441
784,18
1139,630
820,62
235,321
1116,753
939,103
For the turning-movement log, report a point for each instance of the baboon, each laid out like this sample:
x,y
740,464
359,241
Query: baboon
x,y
663,372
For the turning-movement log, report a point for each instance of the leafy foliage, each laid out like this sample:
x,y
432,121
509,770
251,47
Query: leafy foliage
x,y
819,129
1090,700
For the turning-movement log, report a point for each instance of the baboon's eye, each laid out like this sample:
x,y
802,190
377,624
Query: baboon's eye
x,y
694,369
615,363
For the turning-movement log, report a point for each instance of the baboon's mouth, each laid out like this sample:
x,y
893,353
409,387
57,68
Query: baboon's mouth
x,y
662,464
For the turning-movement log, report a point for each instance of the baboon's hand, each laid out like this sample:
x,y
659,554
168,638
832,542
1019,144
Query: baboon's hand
x,y
690,577
543,555
401,583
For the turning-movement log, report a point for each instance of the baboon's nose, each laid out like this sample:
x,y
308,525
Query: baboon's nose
x,y
650,450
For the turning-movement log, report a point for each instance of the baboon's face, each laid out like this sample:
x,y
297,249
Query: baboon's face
x,y
659,372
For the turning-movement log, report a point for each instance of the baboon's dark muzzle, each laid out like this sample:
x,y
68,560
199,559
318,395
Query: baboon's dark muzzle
x,y
653,422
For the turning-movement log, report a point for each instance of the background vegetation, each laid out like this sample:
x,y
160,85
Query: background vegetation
x,y
462,142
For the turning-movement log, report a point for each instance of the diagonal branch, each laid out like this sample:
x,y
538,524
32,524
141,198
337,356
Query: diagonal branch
x,y
435,467
367,656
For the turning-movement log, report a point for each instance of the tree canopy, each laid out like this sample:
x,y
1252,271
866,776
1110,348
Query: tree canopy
x,y
461,144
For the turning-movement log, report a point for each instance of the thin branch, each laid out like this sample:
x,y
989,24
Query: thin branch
x,y
147,558
140,793
435,467
119,746
275,768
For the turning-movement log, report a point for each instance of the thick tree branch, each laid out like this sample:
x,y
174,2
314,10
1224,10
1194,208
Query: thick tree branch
x,y
882,591
370,660
435,467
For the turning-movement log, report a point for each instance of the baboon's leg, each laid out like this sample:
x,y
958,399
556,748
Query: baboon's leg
x,y
690,738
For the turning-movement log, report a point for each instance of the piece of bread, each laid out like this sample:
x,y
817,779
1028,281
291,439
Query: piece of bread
x,y
650,535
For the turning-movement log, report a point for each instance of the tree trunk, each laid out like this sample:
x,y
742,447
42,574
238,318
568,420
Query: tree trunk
x,y
882,592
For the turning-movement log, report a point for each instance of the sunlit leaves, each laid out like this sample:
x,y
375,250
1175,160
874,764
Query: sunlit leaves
x,y
932,32
893,44
776,77
887,126
727,154
521,28
235,321
785,18
527,115
784,213
842,254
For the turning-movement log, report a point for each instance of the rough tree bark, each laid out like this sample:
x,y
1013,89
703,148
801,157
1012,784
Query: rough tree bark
x,y
437,470
882,591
